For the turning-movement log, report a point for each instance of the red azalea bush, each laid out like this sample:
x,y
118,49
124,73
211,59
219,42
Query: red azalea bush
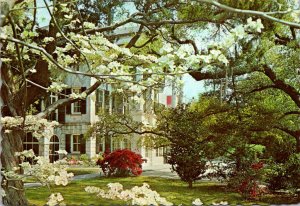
x,y
121,163
249,186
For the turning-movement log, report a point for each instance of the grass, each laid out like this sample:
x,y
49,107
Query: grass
x,y
175,191
83,171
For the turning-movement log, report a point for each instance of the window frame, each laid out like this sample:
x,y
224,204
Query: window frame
x,y
77,143
160,151
54,98
77,103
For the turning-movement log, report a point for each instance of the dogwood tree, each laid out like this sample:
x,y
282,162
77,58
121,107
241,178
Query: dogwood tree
x,y
36,59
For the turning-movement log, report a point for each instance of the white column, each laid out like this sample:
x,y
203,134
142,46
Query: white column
x,y
90,147
44,147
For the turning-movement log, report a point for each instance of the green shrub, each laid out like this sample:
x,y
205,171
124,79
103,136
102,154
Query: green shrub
x,y
284,175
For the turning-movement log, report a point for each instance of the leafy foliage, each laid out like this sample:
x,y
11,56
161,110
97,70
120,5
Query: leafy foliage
x,y
121,163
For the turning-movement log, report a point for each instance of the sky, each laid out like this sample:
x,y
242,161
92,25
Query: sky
x,y
191,88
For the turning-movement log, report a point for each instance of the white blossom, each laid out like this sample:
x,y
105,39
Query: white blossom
x,y
2,192
256,26
166,48
57,87
64,152
138,195
197,202
55,199
220,203
89,25
48,39
239,32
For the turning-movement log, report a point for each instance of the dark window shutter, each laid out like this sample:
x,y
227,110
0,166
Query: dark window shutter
x,y
97,102
68,143
98,149
83,102
68,107
61,110
82,144
61,114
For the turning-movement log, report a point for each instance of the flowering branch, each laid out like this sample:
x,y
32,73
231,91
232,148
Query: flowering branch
x,y
264,15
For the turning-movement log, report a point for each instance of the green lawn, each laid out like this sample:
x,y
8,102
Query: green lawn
x,y
174,190
83,171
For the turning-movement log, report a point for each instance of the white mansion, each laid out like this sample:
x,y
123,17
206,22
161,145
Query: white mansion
x,y
75,120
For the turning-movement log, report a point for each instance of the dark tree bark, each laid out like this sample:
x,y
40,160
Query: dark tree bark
x,y
14,190
190,184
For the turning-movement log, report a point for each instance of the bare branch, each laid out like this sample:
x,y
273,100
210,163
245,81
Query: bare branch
x,y
282,85
262,88
40,86
187,41
147,42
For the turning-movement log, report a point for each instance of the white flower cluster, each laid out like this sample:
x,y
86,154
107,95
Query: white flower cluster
x,y
26,153
255,26
2,192
48,39
182,56
220,203
55,199
43,171
64,152
78,96
197,202
138,195
57,87
38,126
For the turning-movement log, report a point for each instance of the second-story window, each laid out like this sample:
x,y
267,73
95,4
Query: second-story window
x,y
54,114
102,101
76,106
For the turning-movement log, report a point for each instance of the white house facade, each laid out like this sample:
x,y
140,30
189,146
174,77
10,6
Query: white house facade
x,y
76,119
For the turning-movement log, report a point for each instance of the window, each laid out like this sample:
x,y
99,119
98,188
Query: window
x,y
118,104
126,144
76,106
53,115
102,101
115,144
30,142
148,101
53,147
76,143
101,98
160,152
100,144
147,152
106,101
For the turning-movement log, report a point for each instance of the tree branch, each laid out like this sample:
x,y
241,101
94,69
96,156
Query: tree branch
x,y
262,88
187,41
281,85
62,102
264,15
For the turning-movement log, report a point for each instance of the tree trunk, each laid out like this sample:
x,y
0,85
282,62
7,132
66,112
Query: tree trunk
x,y
14,190
298,144
190,184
